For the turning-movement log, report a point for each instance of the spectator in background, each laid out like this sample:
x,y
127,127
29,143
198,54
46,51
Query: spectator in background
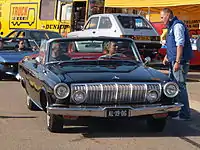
x,y
1,43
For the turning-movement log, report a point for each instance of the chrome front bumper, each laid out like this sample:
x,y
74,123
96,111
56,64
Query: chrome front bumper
x,y
102,111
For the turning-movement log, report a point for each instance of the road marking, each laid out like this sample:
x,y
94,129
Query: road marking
x,y
190,141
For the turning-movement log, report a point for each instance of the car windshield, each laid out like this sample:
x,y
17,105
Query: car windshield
x,y
87,50
15,44
39,35
132,22
99,54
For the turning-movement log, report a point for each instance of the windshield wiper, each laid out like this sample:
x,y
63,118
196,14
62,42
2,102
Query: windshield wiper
x,y
96,62
82,57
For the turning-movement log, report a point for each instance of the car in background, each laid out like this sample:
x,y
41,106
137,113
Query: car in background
x,y
96,77
131,26
10,55
33,34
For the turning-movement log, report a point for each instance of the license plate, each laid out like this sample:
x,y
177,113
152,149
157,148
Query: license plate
x,y
142,38
117,112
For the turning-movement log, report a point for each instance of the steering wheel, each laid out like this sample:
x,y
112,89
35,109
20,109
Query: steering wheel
x,y
62,58
114,56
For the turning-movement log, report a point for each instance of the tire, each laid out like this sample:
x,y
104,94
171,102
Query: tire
x,y
156,125
55,123
30,105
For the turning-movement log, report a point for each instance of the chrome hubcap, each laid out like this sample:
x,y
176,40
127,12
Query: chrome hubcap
x,y
48,117
27,101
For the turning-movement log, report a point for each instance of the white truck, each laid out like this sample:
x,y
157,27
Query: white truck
x,y
133,26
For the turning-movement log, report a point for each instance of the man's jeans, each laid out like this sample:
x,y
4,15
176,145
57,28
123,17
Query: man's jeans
x,y
180,77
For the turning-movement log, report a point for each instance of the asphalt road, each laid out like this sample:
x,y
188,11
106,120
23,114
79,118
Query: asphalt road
x,y
21,129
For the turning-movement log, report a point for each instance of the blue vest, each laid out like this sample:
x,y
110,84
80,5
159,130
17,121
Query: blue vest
x,y
171,44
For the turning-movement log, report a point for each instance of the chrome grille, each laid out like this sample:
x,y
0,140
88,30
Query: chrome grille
x,y
114,93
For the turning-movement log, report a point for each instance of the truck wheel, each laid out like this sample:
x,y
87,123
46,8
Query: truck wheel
x,y
156,125
30,104
54,123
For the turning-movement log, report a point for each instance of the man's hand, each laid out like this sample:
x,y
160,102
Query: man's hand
x,y
165,60
176,67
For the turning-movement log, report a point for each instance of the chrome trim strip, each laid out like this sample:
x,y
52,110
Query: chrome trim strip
x,y
117,90
101,111
146,90
131,94
101,98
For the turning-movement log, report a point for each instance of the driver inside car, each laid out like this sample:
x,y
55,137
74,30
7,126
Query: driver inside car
x,y
21,46
112,51
57,54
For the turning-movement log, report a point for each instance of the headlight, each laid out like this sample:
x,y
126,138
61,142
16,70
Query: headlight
x,y
152,96
79,97
61,90
171,89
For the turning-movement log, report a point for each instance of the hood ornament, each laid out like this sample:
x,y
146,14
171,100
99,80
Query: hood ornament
x,y
115,78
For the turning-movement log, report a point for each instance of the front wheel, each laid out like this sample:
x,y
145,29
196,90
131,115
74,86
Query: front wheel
x,y
54,123
30,104
156,125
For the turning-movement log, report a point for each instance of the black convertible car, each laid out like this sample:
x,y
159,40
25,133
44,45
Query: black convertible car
x,y
96,77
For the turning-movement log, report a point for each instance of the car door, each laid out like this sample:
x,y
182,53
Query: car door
x,y
30,73
106,27
90,27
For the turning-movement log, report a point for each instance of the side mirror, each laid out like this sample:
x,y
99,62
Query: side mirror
x,y
37,61
82,28
35,64
147,60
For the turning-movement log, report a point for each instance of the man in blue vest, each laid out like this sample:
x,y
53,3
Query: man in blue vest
x,y
179,53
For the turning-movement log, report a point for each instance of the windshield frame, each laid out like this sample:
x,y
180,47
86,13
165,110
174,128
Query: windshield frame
x,y
49,44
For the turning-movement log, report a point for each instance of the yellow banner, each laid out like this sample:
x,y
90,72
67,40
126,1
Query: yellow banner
x,y
148,3
23,15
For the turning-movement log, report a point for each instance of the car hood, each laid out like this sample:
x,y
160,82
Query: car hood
x,y
139,74
13,56
74,34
